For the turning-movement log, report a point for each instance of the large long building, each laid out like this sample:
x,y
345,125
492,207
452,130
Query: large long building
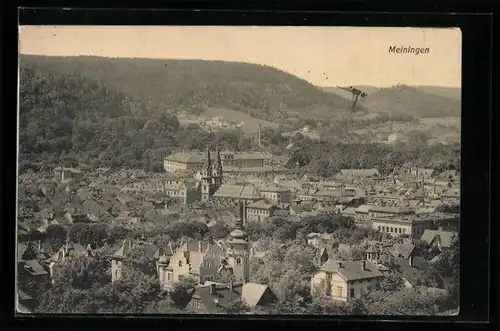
x,y
184,161
232,162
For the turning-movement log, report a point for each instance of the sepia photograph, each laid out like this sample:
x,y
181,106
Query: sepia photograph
x,y
249,170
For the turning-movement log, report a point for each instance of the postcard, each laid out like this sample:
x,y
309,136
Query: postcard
x,y
259,170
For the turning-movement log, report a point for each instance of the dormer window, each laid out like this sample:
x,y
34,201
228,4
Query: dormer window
x,y
238,260
180,263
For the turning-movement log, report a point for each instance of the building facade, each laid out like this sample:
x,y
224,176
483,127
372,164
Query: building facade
x,y
345,280
397,226
276,194
183,161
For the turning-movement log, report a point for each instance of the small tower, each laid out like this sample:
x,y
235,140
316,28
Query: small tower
x,y
117,260
239,253
206,179
373,254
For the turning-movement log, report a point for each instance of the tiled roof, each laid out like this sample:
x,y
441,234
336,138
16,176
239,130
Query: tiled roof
x,y
237,191
451,193
249,156
34,268
445,237
252,293
413,273
222,295
186,157
390,210
74,249
123,250
225,294
261,204
359,172
403,250
194,246
349,211
351,270
273,188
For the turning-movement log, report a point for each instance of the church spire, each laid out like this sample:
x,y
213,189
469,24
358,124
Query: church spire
x,y
208,163
219,163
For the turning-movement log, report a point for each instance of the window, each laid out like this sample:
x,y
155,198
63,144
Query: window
x,y
338,291
404,231
238,260
379,227
169,276
352,293
180,263
399,230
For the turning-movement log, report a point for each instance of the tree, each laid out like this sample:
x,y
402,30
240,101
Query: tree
x,y
88,234
392,282
402,302
117,234
141,259
219,231
236,307
324,305
83,272
183,291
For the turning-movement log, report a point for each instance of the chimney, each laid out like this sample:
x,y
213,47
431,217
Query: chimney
x,y
230,285
212,288
363,265
410,261
39,245
199,246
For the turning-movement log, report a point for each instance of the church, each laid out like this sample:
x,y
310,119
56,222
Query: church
x,y
210,176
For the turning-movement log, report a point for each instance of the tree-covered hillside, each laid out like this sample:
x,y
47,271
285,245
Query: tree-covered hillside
x,y
71,120
265,92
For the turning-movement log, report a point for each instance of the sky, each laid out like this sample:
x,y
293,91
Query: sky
x,y
324,56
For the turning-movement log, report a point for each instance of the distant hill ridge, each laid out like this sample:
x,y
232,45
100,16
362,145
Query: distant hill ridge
x,y
409,100
417,101
267,92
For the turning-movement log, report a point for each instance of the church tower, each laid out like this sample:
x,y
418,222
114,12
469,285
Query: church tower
x,y
206,179
217,171
238,252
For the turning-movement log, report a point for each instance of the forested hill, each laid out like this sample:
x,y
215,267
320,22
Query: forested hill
x,y
262,91
66,119
408,100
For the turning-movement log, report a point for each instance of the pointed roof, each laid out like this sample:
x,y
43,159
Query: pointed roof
x,y
219,162
208,161
351,270
123,250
